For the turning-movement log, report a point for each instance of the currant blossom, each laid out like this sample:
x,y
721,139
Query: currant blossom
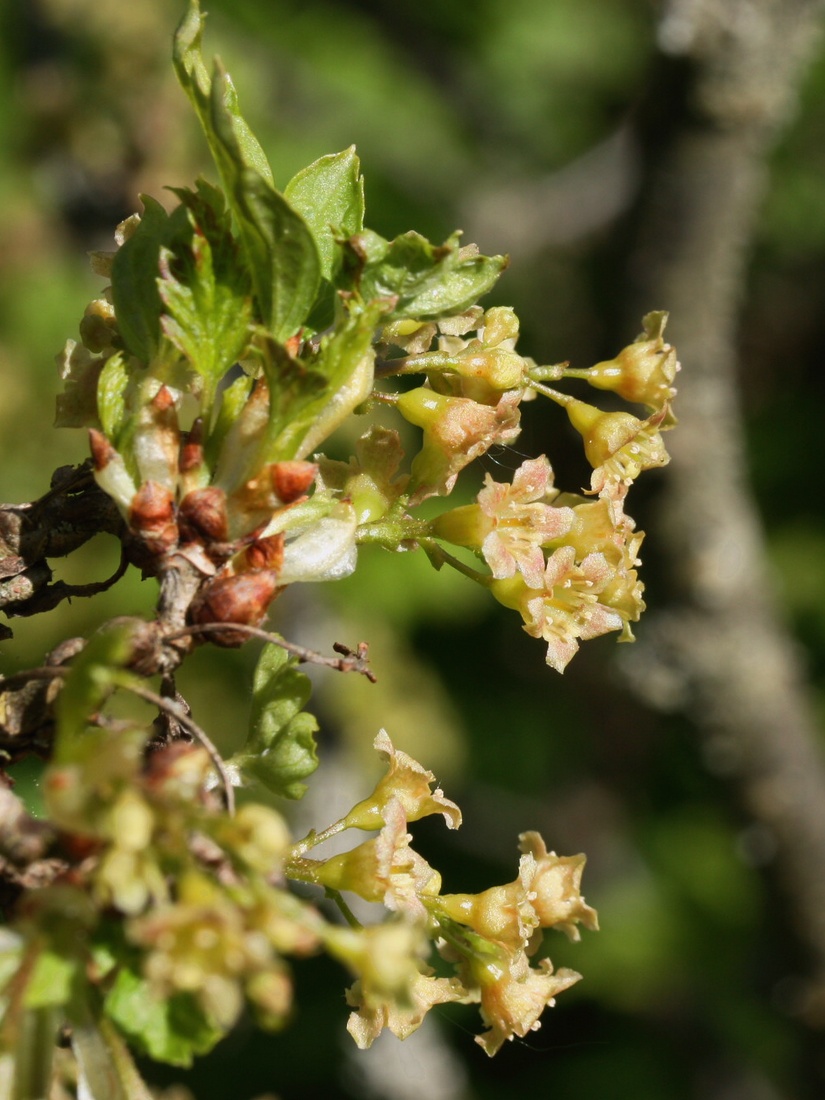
x,y
642,372
554,884
502,915
618,445
385,869
511,523
569,607
401,1017
513,998
407,782
457,430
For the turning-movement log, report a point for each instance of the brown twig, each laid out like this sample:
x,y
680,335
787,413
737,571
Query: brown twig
x,y
350,660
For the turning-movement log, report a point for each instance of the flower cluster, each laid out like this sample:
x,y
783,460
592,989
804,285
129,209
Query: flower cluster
x,y
487,938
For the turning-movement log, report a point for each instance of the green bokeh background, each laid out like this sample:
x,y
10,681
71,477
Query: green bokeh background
x,y
463,115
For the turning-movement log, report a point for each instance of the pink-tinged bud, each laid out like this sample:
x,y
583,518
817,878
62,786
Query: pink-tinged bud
x,y
110,471
202,515
163,400
242,598
265,553
291,479
102,450
152,517
191,448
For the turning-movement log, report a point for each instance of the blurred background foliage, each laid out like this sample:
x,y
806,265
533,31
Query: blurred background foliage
x,y
512,120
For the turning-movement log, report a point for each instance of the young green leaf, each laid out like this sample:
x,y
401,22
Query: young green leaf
x,y
429,281
310,403
283,259
280,750
111,396
206,292
135,270
197,84
329,195
172,1029
280,249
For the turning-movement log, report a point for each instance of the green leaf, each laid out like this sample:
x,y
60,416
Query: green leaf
x,y
197,84
171,1029
280,750
111,396
135,270
280,249
283,259
51,981
429,281
329,195
206,292
232,400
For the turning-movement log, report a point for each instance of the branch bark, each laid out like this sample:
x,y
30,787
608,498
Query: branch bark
x,y
743,61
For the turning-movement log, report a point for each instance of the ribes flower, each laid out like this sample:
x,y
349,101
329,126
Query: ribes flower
x,y
511,523
643,371
385,869
456,431
554,885
407,782
618,445
401,1017
514,997
568,608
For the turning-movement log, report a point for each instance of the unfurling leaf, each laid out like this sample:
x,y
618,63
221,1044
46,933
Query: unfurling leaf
x,y
329,196
429,281
280,750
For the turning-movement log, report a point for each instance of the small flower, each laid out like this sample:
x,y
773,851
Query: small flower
x,y
642,372
618,446
385,958
402,1019
371,480
385,869
554,886
201,945
502,915
569,608
456,431
511,523
512,1000
408,783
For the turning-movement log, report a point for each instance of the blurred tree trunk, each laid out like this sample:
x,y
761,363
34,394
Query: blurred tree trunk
x,y
740,63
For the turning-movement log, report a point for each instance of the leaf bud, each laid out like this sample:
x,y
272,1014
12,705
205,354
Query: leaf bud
x,y
202,515
242,598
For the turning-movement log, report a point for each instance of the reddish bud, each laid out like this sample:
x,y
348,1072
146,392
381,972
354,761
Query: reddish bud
x,y
293,344
242,598
266,553
191,450
102,450
291,479
152,517
202,515
163,400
